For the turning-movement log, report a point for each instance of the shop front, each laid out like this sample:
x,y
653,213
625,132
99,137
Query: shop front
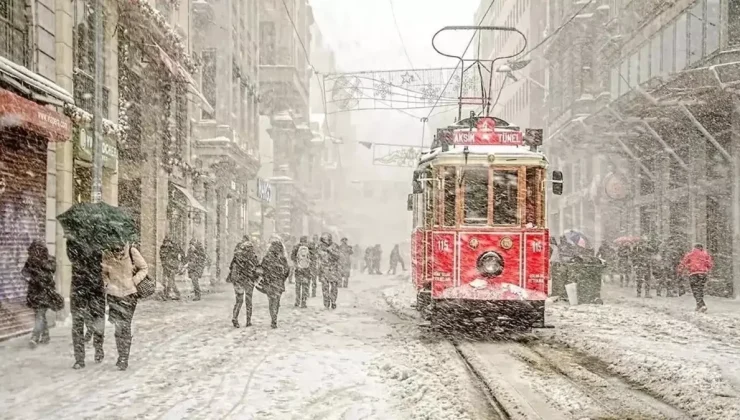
x,y
25,130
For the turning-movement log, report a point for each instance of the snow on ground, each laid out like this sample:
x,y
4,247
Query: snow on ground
x,y
696,369
187,361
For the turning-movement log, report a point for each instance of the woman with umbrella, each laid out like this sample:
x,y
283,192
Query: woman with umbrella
x,y
243,275
123,269
91,229
275,271
39,272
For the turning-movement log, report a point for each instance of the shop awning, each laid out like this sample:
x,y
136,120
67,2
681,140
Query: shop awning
x,y
50,91
191,199
18,111
178,71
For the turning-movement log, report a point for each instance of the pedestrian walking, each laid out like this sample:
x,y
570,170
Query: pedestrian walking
x,y
170,255
624,266
196,261
697,264
345,262
243,275
314,248
377,257
87,298
642,261
301,257
39,273
395,259
329,265
368,260
123,269
275,272
607,254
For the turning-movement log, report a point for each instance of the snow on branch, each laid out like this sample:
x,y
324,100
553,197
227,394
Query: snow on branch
x,y
160,22
83,118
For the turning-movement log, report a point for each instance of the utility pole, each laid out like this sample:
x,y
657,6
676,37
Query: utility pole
x,y
97,152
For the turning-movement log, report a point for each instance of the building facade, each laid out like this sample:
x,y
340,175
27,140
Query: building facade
x,y
284,74
35,142
517,97
641,117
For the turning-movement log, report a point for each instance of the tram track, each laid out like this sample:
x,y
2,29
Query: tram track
x,y
483,386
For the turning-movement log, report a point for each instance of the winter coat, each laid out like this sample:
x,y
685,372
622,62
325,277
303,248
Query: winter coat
x,y
170,254
39,272
275,270
302,272
243,268
395,256
122,271
196,260
345,256
87,276
329,261
696,261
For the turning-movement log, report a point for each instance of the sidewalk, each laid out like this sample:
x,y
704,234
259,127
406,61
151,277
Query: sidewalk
x,y
722,317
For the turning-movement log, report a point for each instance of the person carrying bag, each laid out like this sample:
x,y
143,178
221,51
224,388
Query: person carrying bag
x,y
123,270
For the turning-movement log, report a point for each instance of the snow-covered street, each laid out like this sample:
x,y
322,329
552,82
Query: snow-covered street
x,y
358,362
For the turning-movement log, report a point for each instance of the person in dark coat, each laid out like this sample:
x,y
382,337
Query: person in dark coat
x,y
301,257
275,272
642,255
345,262
39,273
395,259
330,270
87,298
314,248
243,274
624,265
368,261
170,255
607,254
377,257
196,261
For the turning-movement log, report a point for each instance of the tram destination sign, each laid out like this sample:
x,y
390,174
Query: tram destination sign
x,y
486,134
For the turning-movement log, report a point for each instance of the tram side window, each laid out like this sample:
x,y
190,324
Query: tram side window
x,y
475,183
534,198
448,192
505,197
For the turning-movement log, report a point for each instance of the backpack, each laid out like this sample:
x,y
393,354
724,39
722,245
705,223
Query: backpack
x,y
303,258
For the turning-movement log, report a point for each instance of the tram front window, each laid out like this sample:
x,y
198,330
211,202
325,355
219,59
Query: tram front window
x,y
475,184
450,178
505,197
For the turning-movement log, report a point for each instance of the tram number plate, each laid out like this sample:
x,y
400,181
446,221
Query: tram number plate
x,y
443,245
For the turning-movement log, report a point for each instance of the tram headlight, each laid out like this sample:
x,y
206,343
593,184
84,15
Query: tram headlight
x,y
490,264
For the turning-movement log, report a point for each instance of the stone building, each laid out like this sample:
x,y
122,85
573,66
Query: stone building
x,y
641,118
225,143
35,142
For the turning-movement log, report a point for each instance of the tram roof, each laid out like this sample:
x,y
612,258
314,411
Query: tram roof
x,y
511,155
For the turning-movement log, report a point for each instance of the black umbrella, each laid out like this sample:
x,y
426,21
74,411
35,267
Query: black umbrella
x,y
99,225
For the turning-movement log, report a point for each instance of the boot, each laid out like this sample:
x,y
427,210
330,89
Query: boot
x,y
274,324
235,322
99,355
78,365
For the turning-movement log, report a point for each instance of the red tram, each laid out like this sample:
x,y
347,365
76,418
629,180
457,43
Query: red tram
x,y
480,243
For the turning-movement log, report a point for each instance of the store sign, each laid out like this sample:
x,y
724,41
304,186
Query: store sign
x,y
110,151
616,187
19,110
264,190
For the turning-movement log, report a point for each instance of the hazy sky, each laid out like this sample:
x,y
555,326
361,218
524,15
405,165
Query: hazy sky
x,y
364,37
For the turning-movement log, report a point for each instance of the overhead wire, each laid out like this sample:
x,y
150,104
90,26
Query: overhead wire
x,y
400,37
559,28
452,75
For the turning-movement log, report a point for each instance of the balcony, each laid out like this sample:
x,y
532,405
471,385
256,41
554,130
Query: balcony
x,y
282,88
84,90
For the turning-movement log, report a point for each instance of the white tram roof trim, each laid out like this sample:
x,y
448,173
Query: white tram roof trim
x,y
504,151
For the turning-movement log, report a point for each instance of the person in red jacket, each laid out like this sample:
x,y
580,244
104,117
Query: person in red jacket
x,y
697,263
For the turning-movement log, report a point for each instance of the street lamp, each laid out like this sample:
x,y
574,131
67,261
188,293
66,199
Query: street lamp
x,y
509,69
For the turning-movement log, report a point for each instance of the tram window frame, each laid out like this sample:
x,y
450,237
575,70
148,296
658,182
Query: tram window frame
x,y
447,218
535,190
517,174
465,177
428,214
